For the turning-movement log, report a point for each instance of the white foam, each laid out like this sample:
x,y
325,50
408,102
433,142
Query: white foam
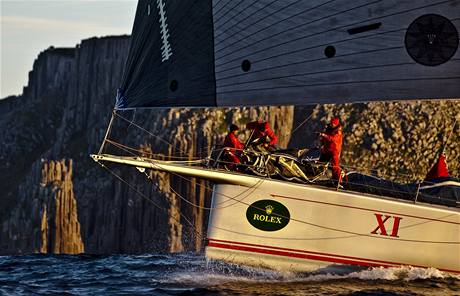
x,y
407,273
221,274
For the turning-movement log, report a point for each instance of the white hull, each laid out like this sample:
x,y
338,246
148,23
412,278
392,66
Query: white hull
x,y
331,227
325,226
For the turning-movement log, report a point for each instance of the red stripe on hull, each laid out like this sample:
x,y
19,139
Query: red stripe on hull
x,y
295,255
341,259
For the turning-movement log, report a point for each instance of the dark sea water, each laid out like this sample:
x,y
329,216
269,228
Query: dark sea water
x,y
184,274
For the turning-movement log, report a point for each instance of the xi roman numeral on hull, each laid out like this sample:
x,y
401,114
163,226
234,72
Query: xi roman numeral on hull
x,y
380,229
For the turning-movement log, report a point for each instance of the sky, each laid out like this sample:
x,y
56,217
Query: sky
x,y
31,26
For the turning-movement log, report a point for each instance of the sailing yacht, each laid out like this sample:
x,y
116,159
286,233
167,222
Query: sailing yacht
x,y
223,53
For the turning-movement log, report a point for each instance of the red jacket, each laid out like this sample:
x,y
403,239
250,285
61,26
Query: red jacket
x,y
262,129
331,141
231,141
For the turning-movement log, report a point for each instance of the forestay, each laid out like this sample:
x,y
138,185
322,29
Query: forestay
x,y
245,53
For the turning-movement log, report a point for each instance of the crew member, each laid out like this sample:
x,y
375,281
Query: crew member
x,y
331,146
261,130
232,147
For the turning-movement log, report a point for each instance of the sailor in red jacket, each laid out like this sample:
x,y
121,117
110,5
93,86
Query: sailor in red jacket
x,y
262,129
331,146
232,147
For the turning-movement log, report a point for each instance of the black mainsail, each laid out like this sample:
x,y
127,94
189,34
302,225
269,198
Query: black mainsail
x,y
244,53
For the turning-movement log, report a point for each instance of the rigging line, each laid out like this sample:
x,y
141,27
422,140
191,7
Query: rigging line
x,y
338,83
151,134
261,179
140,152
246,191
352,183
151,201
293,28
317,33
309,9
204,186
131,121
123,147
427,218
373,172
187,161
331,228
107,132
126,150
232,17
383,191
301,124
448,138
425,222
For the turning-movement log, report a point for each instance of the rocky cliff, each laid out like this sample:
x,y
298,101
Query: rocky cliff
x,y
54,198
397,141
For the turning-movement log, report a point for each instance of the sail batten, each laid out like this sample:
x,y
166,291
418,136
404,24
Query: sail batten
x,y
248,53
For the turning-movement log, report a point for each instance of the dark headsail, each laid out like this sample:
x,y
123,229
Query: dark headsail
x,y
239,53
171,59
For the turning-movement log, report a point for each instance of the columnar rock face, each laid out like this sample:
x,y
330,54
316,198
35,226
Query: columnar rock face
x,y
398,141
60,228
45,217
54,198
67,100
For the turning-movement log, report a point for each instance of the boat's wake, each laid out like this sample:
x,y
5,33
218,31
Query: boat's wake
x,y
216,273
407,273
